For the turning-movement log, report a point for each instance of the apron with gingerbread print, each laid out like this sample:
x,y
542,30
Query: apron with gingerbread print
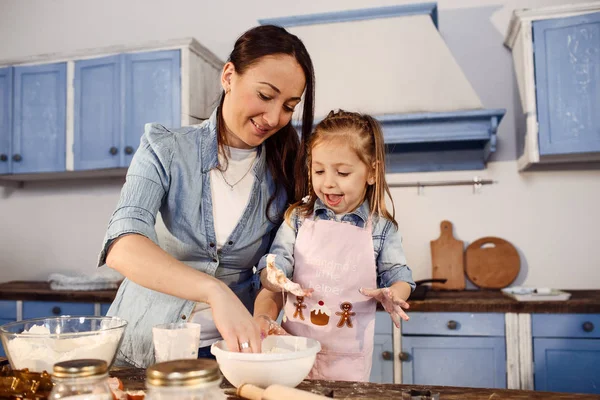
x,y
336,260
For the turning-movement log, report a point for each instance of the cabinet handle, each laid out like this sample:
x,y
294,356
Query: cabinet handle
x,y
17,157
128,150
588,326
386,355
404,356
452,325
113,150
56,310
3,157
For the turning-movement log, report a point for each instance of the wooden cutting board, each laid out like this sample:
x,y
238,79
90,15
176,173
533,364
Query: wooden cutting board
x,y
492,263
447,259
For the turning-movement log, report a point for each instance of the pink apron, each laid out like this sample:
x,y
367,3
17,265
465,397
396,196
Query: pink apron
x,y
336,260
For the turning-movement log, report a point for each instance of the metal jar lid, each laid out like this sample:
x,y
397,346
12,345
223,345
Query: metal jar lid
x,y
183,373
83,368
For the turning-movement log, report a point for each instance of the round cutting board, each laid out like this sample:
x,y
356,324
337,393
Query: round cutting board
x,y
492,263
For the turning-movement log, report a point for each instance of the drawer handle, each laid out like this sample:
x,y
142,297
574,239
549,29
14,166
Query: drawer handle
x,y
17,158
128,150
56,310
452,325
3,157
404,356
113,150
588,326
386,355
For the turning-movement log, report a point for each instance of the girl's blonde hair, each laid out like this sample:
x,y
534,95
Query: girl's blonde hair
x,y
363,134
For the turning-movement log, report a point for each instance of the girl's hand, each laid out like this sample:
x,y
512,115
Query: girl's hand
x,y
392,303
275,280
235,324
268,326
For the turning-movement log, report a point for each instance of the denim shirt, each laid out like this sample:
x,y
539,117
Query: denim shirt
x,y
170,173
387,244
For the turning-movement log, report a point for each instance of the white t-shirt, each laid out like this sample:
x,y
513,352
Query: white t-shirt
x,y
230,190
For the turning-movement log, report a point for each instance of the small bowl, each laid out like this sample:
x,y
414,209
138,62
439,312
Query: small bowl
x,y
57,339
285,360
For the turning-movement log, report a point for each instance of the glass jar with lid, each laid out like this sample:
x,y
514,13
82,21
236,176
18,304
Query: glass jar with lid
x,y
81,380
184,380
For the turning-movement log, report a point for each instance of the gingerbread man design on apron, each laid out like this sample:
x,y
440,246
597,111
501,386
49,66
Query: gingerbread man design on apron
x,y
336,259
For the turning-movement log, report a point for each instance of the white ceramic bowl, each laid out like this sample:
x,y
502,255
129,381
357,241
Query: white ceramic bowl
x,y
40,343
290,362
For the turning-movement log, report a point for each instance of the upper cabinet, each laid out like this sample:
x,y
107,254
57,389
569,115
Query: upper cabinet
x,y
32,117
88,112
556,54
115,97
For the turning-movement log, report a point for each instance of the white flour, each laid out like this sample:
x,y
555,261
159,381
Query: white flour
x,y
41,353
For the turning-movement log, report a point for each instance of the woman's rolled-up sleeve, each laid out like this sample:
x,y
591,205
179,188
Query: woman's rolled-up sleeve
x,y
145,187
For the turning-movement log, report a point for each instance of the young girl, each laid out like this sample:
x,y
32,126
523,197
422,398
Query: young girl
x,y
339,243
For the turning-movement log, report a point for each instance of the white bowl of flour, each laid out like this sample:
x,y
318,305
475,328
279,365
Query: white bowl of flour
x,y
38,344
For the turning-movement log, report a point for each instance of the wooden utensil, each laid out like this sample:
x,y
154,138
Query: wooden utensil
x,y
447,259
275,392
492,263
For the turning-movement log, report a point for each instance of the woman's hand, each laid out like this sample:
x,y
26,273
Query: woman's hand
x,y
392,302
235,324
268,326
275,280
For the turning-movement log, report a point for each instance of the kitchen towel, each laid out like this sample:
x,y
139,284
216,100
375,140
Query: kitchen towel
x,y
103,279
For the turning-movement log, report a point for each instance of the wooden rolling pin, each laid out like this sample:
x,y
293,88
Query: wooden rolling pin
x,y
275,392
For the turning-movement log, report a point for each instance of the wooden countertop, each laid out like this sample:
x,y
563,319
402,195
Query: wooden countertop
x,y
40,291
134,379
581,301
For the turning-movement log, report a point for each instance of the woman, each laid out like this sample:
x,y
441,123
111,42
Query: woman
x,y
221,189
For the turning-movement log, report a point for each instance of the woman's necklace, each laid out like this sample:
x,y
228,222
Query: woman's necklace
x,y
231,186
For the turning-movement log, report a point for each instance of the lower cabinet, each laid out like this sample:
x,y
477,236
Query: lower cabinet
x,y
8,313
41,309
454,349
383,350
566,352
104,309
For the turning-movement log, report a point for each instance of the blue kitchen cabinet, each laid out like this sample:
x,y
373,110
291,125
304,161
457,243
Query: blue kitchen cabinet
x,y
454,349
8,313
566,352
42,309
104,309
97,141
567,76
382,370
6,81
39,119
115,97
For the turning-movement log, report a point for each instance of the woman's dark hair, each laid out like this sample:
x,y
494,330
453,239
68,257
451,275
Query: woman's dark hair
x,y
285,152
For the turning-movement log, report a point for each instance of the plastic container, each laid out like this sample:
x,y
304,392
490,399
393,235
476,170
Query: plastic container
x,y
40,343
81,380
285,360
198,379
176,341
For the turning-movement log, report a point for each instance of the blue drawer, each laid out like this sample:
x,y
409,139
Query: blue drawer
x,y
104,308
454,324
8,310
565,325
39,309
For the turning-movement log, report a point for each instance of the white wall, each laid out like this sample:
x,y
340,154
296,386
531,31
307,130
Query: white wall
x,y
551,217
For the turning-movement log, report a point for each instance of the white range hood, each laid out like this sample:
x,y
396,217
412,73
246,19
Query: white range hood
x,y
393,63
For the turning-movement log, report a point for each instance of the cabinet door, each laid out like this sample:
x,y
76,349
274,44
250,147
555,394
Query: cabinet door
x,y
567,365
6,77
39,124
98,103
454,361
152,94
383,350
42,309
8,313
567,74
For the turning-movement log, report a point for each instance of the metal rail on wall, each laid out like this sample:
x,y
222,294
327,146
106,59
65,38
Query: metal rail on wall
x,y
476,182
